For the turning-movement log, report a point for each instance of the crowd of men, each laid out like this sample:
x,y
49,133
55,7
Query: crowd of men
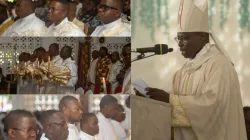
x,y
111,123
76,18
116,72
113,67
40,56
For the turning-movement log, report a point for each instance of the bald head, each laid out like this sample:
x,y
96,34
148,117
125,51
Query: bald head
x,y
107,100
14,118
66,52
65,101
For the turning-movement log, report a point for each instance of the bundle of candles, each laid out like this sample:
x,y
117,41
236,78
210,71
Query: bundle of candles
x,y
44,72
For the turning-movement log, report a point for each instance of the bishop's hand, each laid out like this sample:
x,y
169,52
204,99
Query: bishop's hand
x,y
158,94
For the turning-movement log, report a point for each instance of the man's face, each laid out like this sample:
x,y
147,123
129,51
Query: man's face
x,y
190,44
22,8
247,122
26,130
57,11
46,57
52,50
95,54
126,53
64,53
87,6
32,58
112,109
107,12
40,55
114,57
58,128
74,111
120,115
92,125
72,11
102,52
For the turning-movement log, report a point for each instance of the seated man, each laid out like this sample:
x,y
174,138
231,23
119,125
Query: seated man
x,y
21,125
61,25
54,125
110,13
28,24
89,127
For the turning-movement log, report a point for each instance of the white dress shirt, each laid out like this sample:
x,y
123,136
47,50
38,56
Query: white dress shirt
x,y
126,124
65,28
119,130
115,28
70,88
106,129
73,132
127,82
43,137
92,71
114,70
85,136
57,60
27,26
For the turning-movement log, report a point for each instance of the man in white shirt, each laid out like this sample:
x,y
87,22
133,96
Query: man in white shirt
x,y
114,69
28,24
116,122
92,71
61,25
126,124
54,54
51,88
108,108
65,54
109,12
89,127
54,126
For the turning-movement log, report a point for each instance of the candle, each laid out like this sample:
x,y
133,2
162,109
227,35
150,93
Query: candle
x,y
104,85
49,64
38,63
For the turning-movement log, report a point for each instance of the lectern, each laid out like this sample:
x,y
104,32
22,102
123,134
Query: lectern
x,y
151,119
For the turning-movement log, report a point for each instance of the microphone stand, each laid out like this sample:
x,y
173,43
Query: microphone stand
x,y
141,56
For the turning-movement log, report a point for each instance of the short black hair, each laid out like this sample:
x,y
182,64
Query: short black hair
x,y
63,102
65,3
105,49
107,100
13,118
86,117
47,116
56,45
40,49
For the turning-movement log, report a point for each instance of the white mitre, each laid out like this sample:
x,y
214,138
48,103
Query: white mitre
x,y
193,17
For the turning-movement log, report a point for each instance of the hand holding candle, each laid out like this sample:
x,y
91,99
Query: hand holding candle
x,y
104,85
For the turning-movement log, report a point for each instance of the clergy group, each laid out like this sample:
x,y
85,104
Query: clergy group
x,y
73,18
112,122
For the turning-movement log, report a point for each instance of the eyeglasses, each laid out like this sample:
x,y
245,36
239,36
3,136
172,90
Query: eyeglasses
x,y
62,124
183,39
105,7
27,130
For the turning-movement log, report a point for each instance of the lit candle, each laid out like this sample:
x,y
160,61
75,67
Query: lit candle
x,y
49,64
104,85
38,63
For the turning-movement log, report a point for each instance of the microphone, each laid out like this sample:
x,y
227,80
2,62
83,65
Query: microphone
x,y
158,49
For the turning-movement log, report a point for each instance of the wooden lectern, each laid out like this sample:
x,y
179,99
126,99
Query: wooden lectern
x,y
151,119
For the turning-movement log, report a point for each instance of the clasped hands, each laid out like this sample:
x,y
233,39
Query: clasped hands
x,y
155,94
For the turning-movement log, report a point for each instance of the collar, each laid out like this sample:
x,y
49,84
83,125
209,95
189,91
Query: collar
x,y
68,60
56,57
202,52
103,117
86,135
71,125
60,24
28,17
112,24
